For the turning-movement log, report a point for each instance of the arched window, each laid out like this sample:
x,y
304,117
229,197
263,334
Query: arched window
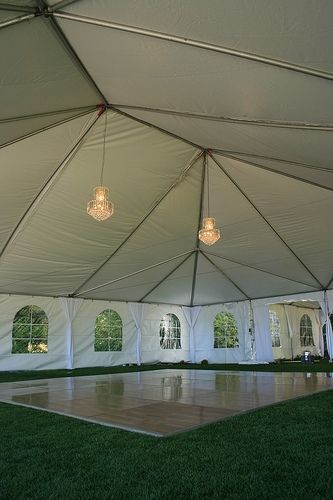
x,y
225,331
306,335
108,331
170,332
30,331
275,328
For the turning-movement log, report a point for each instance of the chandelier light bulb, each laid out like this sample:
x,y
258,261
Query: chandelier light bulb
x,y
209,234
100,208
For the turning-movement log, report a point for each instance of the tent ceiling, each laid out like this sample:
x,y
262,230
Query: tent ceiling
x,y
246,85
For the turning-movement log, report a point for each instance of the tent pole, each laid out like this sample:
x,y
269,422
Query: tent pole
x,y
227,119
196,43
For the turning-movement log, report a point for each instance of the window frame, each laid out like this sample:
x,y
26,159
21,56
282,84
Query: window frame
x,y
170,339
111,340
275,335
226,337
34,342
306,339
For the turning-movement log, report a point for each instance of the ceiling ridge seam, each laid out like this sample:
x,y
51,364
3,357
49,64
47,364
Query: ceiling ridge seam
x,y
258,269
277,172
46,186
265,220
225,275
229,119
196,44
142,220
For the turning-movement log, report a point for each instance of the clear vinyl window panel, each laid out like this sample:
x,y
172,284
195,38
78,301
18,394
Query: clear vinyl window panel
x,y
108,331
170,332
275,328
306,334
225,331
30,331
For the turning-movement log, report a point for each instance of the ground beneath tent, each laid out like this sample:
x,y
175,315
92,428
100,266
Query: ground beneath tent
x,y
162,402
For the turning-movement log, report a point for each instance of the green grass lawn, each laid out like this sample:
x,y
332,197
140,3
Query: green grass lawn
x,y
279,452
322,365
283,452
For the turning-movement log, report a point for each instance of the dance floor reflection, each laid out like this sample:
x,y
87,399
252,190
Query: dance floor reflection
x,y
162,402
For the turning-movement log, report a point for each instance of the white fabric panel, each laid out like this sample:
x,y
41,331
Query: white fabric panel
x,y
263,341
38,73
138,286
177,289
212,286
191,314
166,236
84,336
326,306
295,210
151,351
245,236
204,334
25,168
56,355
137,313
259,284
16,129
319,173
70,307
168,75
292,320
311,147
38,252
256,26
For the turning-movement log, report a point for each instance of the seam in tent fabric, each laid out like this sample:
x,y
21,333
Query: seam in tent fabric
x,y
47,127
196,44
47,185
266,220
175,183
258,269
243,121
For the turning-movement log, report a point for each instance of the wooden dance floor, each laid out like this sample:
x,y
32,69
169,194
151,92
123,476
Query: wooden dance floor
x,y
162,402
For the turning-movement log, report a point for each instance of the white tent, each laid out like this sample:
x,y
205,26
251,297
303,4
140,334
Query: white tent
x,y
245,86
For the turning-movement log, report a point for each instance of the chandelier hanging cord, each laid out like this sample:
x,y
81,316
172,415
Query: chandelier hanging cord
x,y
208,233
100,207
104,139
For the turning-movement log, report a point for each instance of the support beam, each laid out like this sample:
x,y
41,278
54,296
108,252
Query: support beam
x,y
284,174
203,178
225,275
80,109
62,37
132,274
196,44
257,269
44,129
233,155
151,125
142,220
16,20
33,205
266,221
327,127
167,276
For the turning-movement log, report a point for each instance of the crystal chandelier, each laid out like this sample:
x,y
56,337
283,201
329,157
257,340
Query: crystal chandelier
x,y
208,233
100,208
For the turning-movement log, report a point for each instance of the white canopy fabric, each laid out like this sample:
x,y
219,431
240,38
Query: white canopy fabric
x,y
245,85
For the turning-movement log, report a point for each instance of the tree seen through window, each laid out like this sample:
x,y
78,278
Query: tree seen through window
x,y
30,331
225,331
108,331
